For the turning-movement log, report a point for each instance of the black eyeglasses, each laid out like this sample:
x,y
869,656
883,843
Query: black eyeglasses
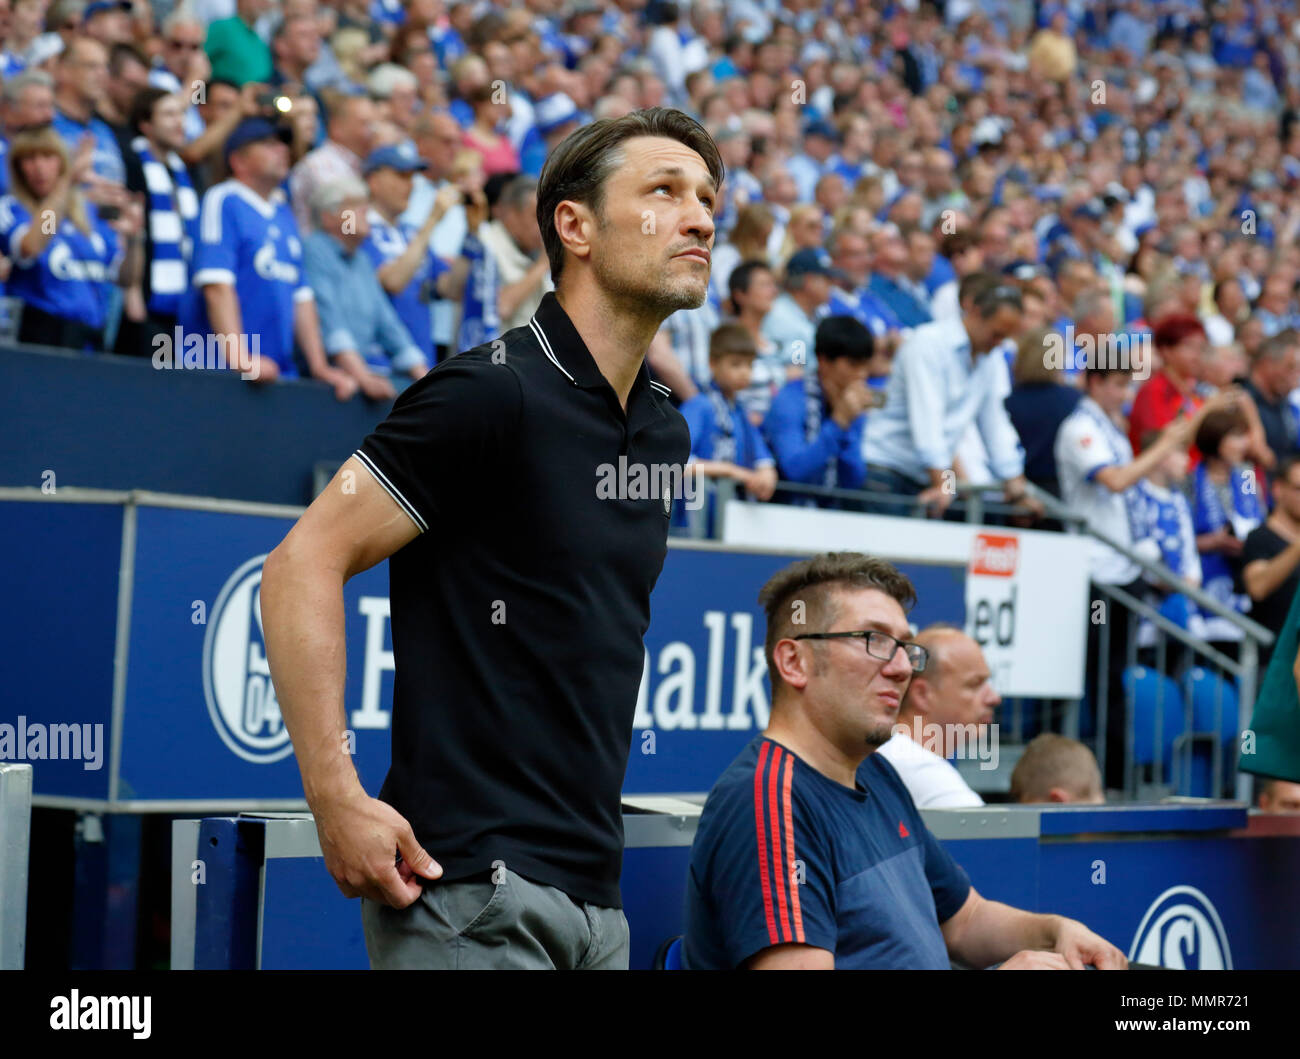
x,y
880,645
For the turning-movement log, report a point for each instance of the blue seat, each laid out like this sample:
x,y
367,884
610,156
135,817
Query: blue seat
x,y
669,956
1154,694
1207,691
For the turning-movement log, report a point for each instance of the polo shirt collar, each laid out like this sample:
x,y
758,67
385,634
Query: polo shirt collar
x,y
568,353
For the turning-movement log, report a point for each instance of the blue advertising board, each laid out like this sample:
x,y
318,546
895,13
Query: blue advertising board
x,y
195,719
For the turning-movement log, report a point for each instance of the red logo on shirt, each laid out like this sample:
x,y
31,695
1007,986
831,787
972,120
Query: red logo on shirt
x,y
902,831
1085,441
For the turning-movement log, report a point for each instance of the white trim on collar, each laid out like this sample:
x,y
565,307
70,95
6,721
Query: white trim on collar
x,y
546,348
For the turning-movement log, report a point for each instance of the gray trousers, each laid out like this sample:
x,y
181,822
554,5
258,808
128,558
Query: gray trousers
x,y
513,923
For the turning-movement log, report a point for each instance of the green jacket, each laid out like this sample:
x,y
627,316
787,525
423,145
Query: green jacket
x,y
1276,720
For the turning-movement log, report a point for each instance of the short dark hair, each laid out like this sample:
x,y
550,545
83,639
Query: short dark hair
x,y
813,582
1103,369
1282,472
740,279
731,339
142,106
988,300
578,169
843,336
1216,426
122,54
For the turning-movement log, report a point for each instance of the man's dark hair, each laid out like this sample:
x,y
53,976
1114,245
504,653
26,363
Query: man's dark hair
x,y
740,279
517,191
1278,346
1282,472
975,282
220,82
578,169
142,105
729,340
121,55
843,336
814,583
1102,370
988,300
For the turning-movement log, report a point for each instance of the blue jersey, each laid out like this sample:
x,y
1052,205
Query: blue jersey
x,y
720,430
785,854
73,276
107,159
252,244
479,320
414,304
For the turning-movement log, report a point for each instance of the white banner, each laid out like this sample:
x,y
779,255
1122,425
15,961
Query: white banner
x,y
1026,590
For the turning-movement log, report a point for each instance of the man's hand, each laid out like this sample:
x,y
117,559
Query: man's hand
x,y
1015,492
360,837
760,483
1079,946
937,499
345,386
851,402
377,388
1033,960
262,369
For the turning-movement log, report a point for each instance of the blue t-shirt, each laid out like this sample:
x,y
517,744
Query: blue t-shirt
x,y
479,321
785,854
73,276
253,244
414,304
107,158
720,430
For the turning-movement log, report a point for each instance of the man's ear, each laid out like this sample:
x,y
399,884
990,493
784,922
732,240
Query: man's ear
x,y
920,696
575,224
793,664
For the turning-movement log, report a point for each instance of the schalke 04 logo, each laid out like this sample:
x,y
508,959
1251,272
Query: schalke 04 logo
x,y
1182,931
236,678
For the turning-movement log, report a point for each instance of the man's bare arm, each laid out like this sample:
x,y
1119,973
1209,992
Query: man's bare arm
x,y
353,525
791,958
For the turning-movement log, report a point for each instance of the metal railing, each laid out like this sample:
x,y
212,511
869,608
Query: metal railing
x,y
974,505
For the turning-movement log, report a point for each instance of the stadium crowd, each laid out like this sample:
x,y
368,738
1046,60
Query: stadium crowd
x,y
985,241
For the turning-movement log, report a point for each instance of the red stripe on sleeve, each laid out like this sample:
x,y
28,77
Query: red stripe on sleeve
x,y
789,850
762,843
778,865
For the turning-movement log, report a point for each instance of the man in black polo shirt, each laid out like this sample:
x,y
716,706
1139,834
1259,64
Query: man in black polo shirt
x,y
522,490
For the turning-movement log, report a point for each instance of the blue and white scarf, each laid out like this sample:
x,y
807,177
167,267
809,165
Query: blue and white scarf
x,y
1247,513
173,218
814,413
726,446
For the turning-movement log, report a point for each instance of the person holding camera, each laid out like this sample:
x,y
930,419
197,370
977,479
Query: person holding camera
x,y
69,247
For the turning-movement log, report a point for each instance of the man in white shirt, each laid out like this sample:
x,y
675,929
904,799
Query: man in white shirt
x,y
1097,472
953,696
943,380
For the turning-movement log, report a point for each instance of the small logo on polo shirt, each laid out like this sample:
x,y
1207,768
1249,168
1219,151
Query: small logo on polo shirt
x,y
668,499
902,831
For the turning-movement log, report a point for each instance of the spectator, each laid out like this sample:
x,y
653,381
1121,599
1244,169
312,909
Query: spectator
x,y
29,102
491,111
1279,796
943,381
1180,343
1097,471
1038,404
747,241
792,322
752,293
248,288
128,73
22,41
890,282
850,258
171,216
108,21
182,66
479,320
815,425
349,131
361,330
63,272
295,49
820,139
1270,558
235,50
845,809
394,89
724,443
410,272
1055,769
950,703
1227,508
80,77
1274,374
515,242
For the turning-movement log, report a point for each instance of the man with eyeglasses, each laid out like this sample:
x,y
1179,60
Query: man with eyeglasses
x,y
810,853
182,66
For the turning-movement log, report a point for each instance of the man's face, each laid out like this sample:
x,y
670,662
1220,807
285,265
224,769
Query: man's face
x,y
34,107
1281,797
838,373
180,46
987,332
1111,391
762,291
961,685
349,225
854,695
853,257
85,70
132,77
302,41
521,222
221,100
438,146
891,251
109,27
1286,491
654,239
264,161
168,125
390,189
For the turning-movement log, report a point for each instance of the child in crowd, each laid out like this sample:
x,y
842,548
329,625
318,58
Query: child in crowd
x,y
724,442
1163,532
1226,506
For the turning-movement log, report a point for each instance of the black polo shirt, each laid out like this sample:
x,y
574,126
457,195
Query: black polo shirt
x,y
518,612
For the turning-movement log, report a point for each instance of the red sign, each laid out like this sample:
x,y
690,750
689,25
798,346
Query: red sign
x,y
995,555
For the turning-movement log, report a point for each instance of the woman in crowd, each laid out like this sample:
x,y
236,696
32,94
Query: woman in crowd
x,y
68,247
490,112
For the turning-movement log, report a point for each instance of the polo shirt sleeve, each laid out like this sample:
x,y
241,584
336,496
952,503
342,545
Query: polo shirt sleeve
x,y
454,427
1083,449
216,256
769,879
